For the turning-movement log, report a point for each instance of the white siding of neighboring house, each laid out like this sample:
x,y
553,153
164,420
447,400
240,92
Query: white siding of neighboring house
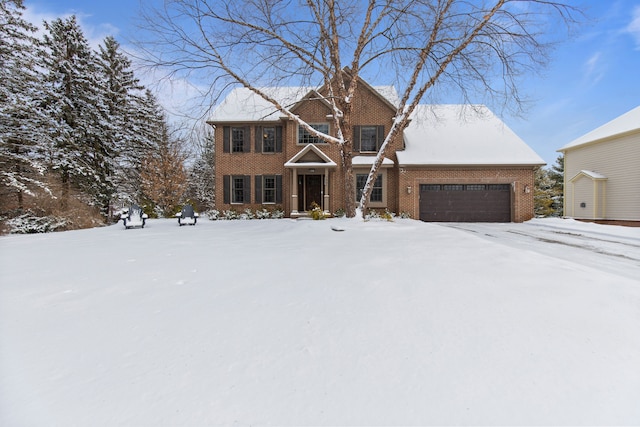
x,y
618,159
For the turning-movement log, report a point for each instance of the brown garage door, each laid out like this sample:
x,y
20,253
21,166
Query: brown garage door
x,y
465,202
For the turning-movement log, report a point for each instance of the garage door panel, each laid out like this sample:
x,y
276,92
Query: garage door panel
x,y
465,203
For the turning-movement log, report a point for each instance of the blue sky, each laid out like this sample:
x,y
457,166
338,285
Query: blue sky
x,y
593,78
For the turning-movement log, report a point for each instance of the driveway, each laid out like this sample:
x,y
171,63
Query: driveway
x,y
614,249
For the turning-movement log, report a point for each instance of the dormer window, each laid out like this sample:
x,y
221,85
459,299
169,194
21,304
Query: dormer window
x,y
304,137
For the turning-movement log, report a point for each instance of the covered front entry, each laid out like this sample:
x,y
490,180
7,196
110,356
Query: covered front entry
x,y
465,202
310,192
309,180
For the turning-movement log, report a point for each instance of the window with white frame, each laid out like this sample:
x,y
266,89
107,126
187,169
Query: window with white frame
x,y
376,192
304,137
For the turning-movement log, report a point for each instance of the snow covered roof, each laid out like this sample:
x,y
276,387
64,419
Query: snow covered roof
x,y
462,135
368,161
628,122
244,105
590,174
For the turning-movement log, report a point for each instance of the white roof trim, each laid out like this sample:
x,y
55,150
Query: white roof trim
x,y
588,174
326,161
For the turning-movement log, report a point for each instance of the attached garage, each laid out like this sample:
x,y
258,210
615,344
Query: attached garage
x,y
465,202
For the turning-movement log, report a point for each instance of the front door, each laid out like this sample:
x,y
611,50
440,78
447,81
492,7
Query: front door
x,y
309,191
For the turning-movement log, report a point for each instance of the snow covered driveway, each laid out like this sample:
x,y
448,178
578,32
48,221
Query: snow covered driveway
x,y
612,249
284,322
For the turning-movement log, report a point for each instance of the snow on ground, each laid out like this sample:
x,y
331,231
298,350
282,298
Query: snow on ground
x,y
284,322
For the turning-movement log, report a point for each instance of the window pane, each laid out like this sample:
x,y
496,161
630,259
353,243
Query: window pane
x,y
476,187
237,190
453,187
368,138
376,192
268,140
269,189
305,138
237,140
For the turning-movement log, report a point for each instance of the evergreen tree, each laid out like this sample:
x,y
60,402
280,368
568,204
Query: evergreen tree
x,y
202,175
549,190
81,149
22,123
122,96
557,176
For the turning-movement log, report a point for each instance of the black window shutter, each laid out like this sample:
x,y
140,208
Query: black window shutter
x,y
356,138
258,188
226,183
258,139
278,139
247,189
278,188
380,135
246,143
226,139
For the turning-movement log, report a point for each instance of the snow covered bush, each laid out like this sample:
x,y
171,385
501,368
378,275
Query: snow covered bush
x,y
29,223
263,213
213,214
247,214
230,214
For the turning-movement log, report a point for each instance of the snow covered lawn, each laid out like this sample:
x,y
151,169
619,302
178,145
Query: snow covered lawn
x,y
283,322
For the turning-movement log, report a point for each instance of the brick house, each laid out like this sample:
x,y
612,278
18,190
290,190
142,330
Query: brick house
x,y
453,162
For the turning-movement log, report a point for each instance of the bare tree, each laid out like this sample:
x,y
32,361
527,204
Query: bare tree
x,y
472,48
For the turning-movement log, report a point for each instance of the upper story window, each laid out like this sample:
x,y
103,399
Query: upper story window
x,y
236,139
268,139
305,137
368,139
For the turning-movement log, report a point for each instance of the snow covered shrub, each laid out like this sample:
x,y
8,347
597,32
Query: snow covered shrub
x,y
339,213
405,215
277,213
230,214
213,214
263,213
29,223
385,215
247,214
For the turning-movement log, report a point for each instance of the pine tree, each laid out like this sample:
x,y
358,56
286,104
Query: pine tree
x,y
22,124
557,176
202,175
81,149
549,190
122,96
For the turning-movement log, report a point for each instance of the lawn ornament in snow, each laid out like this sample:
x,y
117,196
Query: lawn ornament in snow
x,y
187,216
133,217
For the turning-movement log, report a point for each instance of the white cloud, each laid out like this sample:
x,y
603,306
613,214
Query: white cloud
x,y
594,69
95,34
634,26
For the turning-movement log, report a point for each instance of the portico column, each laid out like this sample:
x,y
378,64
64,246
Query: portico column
x,y
326,191
294,192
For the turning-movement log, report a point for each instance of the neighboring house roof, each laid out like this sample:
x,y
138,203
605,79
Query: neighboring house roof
x,y
462,135
244,105
628,122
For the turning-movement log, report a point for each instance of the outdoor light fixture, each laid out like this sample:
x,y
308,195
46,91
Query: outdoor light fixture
x,y
408,189
527,189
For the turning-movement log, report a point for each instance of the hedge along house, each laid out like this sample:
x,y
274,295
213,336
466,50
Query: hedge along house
x,y
447,165
602,172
